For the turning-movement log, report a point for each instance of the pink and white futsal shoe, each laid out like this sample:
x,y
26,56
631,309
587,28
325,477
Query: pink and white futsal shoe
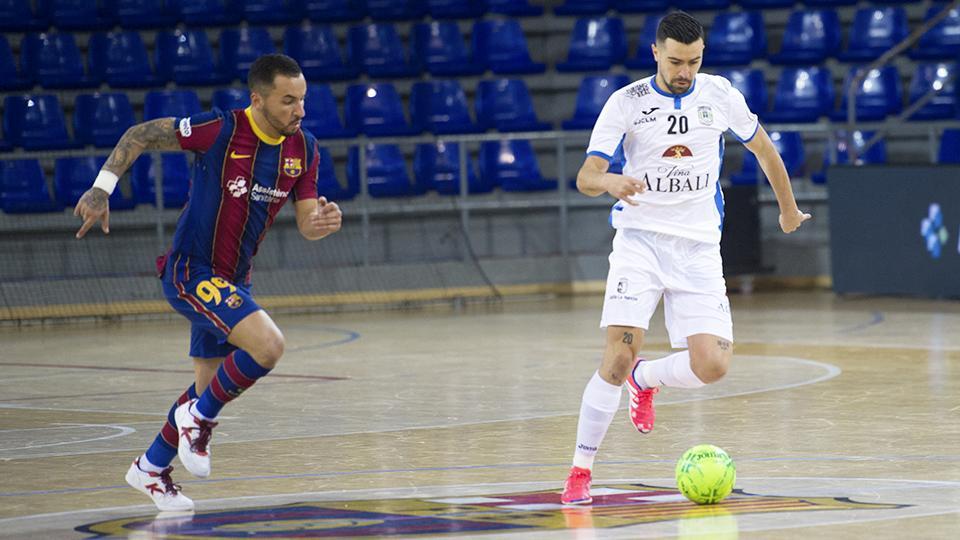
x,y
194,443
642,413
576,490
159,487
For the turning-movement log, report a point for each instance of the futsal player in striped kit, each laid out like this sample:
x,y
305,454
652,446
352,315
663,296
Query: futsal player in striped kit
x,y
248,163
668,217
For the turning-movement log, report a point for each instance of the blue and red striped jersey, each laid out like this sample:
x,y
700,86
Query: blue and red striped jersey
x,y
241,179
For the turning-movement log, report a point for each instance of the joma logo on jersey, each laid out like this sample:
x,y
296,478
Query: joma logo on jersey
x,y
292,166
677,151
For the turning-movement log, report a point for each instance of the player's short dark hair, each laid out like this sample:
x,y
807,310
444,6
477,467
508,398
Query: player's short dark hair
x,y
266,68
679,26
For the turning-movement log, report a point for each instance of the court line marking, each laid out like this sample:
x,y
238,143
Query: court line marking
x,y
123,431
343,495
831,372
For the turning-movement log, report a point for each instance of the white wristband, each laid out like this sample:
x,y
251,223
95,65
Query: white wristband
x,y
106,181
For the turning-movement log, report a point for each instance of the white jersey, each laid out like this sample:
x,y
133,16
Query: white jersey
x,y
673,143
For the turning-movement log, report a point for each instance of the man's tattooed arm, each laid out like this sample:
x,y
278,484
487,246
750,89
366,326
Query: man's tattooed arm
x,y
158,134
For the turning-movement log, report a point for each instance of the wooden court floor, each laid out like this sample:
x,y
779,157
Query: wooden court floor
x,y
842,415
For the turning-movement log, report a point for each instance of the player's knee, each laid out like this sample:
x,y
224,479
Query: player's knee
x,y
710,366
271,351
617,370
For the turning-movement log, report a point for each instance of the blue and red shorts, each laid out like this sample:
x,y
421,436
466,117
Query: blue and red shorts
x,y
212,304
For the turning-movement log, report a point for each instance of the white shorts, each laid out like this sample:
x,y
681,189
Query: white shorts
x,y
646,265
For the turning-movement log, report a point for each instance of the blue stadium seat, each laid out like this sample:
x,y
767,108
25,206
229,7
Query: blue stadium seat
x,y
386,171
378,50
73,176
164,103
120,59
176,180
18,16
750,83
591,97
512,165
766,4
23,188
455,9
75,14
500,46
440,107
272,11
328,11
702,4
582,7
438,48
53,60
322,115
141,13
436,166
185,57
789,145
938,77
201,13
802,95
811,36
505,105
736,39
949,146
643,59
875,30
514,8
316,49
239,47
100,119
327,183
35,122
943,40
375,109
596,44
640,6
876,154
830,3
228,99
10,77
396,10
879,94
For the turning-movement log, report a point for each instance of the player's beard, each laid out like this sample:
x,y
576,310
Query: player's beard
x,y
285,130
675,86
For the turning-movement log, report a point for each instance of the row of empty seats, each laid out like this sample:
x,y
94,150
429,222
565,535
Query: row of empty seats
x,y
510,165
37,122
120,59
17,15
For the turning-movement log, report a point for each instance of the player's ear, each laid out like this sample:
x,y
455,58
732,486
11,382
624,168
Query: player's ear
x,y
656,53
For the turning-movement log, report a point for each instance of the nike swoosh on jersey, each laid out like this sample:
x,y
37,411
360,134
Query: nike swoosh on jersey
x,y
235,155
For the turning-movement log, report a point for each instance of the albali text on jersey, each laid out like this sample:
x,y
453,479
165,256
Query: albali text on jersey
x,y
673,143
241,179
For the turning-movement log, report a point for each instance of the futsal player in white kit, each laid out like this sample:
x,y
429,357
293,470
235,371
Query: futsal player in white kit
x,y
668,220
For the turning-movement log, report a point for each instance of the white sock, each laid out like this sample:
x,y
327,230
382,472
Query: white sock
x,y
146,466
673,370
600,403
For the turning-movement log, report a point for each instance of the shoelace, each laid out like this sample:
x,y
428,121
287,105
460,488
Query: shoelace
x,y
167,480
203,438
644,396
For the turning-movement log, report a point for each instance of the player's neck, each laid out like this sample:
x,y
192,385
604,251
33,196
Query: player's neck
x,y
262,128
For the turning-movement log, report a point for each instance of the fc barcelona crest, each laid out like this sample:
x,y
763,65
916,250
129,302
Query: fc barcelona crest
x,y
292,166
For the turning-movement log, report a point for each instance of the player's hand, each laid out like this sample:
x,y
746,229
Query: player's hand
x,y
623,187
92,207
326,220
790,221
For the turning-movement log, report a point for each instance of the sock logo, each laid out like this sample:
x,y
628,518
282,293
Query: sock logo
x,y
586,448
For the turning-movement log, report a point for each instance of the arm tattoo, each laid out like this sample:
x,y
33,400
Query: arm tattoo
x,y
628,338
723,344
96,199
156,134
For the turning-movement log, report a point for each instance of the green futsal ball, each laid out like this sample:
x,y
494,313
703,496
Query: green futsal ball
x,y
705,474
